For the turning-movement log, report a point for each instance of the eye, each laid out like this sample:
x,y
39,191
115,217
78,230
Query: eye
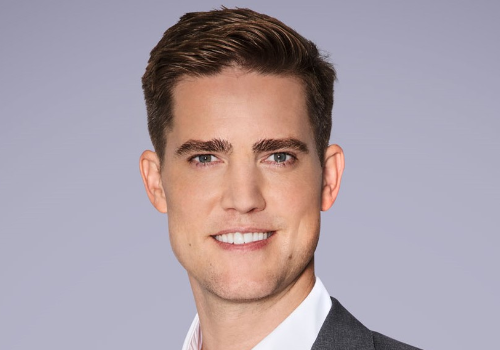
x,y
203,159
280,158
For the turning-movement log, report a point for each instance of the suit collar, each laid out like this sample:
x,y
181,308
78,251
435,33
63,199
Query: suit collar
x,y
342,331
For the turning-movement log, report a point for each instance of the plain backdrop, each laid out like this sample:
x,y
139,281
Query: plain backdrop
x,y
411,247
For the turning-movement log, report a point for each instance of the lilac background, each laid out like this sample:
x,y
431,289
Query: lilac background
x,y
411,247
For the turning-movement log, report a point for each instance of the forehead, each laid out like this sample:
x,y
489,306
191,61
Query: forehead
x,y
236,103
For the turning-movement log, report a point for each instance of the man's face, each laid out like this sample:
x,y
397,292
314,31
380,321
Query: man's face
x,y
241,165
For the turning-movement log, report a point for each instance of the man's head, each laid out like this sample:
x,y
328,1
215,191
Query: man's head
x,y
238,118
204,43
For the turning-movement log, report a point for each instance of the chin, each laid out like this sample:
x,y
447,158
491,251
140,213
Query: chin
x,y
239,289
246,293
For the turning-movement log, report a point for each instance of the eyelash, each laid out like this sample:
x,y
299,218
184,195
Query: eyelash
x,y
285,163
202,164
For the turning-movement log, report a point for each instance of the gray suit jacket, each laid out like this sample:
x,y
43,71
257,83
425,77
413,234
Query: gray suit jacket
x,y
341,331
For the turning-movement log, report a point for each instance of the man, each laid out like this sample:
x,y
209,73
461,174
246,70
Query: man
x,y
239,113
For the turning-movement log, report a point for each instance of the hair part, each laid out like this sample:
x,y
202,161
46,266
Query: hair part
x,y
204,43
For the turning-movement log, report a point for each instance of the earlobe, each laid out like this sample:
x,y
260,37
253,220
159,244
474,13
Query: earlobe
x,y
149,165
332,174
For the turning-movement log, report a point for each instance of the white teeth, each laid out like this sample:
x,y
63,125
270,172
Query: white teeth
x,y
242,238
238,238
247,237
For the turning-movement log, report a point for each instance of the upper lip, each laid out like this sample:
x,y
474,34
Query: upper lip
x,y
243,230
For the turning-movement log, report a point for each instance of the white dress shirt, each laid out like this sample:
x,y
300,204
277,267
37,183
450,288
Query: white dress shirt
x,y
297,332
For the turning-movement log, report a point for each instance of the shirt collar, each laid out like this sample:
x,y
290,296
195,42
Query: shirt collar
x,y
193,337
293,333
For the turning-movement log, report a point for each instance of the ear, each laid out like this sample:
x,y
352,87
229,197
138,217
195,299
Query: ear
x,y
151,176
332,174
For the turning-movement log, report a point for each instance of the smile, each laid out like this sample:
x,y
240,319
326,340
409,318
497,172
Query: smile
x,y
243,238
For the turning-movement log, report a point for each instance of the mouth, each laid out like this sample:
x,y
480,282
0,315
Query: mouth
x,y
240,238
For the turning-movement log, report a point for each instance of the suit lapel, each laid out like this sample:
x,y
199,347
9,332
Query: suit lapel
x,y
341,331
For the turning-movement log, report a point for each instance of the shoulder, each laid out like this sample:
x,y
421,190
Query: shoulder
x,y
382,342
342,331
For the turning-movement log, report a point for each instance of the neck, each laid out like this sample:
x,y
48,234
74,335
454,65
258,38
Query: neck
x,y
240,325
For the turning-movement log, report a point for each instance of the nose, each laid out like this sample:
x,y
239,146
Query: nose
x,y
243,189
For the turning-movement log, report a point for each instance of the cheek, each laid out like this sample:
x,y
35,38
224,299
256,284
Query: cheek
x,y
189,203
188,186
187,193
299,202
299,193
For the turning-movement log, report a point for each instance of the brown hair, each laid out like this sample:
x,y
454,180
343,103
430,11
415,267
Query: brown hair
x,y
203,43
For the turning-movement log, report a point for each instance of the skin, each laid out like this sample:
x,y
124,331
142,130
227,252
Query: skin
x,y
219,175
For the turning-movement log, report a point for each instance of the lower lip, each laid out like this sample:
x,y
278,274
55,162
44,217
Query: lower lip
x,y
246,246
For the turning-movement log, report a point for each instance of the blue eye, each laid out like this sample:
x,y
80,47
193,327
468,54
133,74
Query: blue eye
x,y
205,158
280,157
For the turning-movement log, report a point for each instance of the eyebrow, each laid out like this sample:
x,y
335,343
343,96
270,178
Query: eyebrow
x,y
214,145
223,146
269,145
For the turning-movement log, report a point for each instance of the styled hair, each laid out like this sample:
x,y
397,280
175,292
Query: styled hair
x,y
204,43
